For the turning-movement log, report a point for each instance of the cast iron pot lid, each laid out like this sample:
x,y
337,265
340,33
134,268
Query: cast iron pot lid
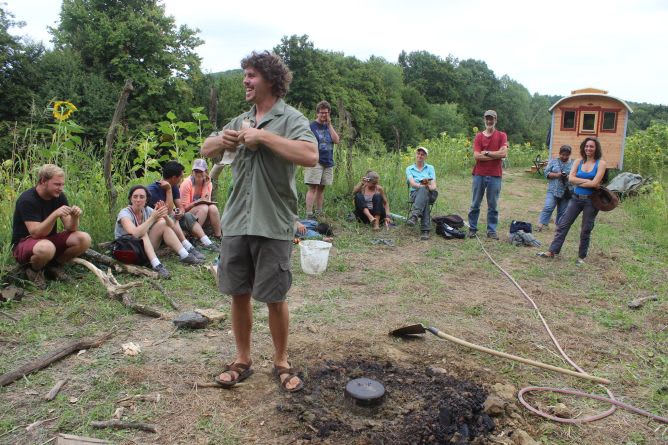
x,y
365,392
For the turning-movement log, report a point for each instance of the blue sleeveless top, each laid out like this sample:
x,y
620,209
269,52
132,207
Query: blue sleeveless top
x,y
585,175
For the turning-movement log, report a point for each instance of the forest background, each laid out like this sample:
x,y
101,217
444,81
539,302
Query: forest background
x,y
381,108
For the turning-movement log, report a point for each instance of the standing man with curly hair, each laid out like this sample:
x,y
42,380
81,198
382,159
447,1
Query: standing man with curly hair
x,y
258,221
316,178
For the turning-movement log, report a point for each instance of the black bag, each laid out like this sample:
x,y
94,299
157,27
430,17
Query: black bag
x,y
454,221
449,232
129,250
567,190
520,225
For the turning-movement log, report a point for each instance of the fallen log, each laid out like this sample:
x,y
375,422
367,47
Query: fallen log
x,y
51,357
118,267
120,425
119,291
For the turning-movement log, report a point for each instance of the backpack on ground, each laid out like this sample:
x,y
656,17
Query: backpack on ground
x,y
129,250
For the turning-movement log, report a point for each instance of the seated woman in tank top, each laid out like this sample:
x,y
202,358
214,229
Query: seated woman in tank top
x,y
586,175
371,205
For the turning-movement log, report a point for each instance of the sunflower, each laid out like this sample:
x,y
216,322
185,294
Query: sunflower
x,y
63,109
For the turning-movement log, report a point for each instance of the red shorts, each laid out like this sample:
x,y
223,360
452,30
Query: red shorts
x,y
23,250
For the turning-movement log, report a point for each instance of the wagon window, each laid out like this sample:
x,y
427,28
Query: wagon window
x,y
569,120
588,122
609,121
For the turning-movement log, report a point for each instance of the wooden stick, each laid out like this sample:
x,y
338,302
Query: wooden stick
x,y
51,357
120,425
8,316
114,127
118,267
516,358
34,425
119,291
55,390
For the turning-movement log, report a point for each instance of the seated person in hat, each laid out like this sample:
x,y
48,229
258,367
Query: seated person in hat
x,y
167,191
371,204
558,195
153,226
196,197
36,242
421,178
586,175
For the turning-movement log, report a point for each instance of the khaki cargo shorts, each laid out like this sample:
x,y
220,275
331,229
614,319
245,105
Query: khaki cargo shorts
x,y
319,175
255,265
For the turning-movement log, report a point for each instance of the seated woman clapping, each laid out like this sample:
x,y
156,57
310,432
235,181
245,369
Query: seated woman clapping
x,y
152,226
371,205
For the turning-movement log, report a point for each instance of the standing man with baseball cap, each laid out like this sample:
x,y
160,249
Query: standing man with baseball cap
x,y
421,178
490,147
316,178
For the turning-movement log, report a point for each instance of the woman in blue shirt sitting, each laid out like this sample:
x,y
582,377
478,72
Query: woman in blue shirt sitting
x,y
586,175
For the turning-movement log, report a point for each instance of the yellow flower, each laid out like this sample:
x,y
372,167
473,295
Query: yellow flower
x,y
63,109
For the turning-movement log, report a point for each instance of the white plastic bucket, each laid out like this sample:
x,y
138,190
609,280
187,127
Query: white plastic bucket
x,y
314,256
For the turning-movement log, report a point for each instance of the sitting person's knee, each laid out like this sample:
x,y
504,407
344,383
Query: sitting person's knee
x,y
83,239
44,250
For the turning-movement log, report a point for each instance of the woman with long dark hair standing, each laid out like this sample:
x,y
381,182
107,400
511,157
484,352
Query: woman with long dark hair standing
x,y
586,175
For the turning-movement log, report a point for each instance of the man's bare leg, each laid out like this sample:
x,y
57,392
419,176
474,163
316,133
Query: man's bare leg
x,y
279,323
77,243
242,323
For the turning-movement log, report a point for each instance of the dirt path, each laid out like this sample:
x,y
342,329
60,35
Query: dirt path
x,y
339,327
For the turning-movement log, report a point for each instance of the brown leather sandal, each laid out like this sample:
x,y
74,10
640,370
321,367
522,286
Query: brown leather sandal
x,y
242,370
291,372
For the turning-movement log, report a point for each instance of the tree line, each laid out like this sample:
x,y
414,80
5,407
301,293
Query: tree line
x,y
98,44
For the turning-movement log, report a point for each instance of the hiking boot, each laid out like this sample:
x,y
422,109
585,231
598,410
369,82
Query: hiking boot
x,y
213,247
37,277
580,262
376,223
191,259
492,235
56,272
412,220
310,216
425,235
162,271
472,234
197,254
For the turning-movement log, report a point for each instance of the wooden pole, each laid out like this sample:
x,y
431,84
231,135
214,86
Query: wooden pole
x,y
109,144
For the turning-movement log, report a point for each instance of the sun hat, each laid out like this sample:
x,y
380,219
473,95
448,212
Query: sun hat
x,y
604,200
200,164
423,149
490,113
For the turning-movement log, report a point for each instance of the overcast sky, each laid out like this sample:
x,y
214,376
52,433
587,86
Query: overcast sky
x,y
550,48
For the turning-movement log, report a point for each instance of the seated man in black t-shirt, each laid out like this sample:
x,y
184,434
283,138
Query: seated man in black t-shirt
x,y
35,241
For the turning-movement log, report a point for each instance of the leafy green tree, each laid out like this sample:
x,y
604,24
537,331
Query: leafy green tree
x,y
133,39
434,77
18,74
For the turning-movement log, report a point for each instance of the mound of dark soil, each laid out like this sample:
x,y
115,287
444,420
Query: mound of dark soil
x,y
417,409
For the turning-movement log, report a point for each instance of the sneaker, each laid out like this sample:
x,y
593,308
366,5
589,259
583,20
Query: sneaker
x,y
162,271
580,262
213,247
411,221
425,235
197,254
56,272
191,259
472,233
492,235
310,216
37,277
545,254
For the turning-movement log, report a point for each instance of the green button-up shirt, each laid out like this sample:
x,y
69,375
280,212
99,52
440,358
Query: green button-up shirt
x,y
264,195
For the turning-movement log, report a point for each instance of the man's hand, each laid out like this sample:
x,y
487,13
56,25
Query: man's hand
x,y
75,211
177,214
230,140
301,228
62,211
165,185
250,137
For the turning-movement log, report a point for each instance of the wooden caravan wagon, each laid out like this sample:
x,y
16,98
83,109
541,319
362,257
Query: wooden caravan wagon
x,y
590,112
